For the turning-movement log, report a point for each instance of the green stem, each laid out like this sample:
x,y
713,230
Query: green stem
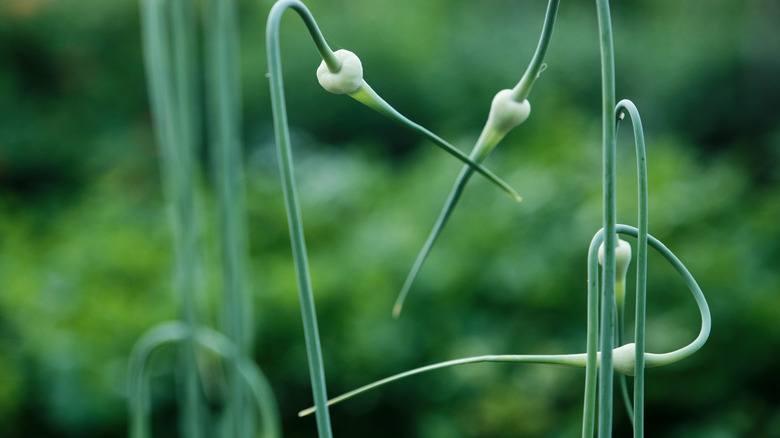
x,y
641,268
656,360
523,88
592,338
306,296
223,87
449,206
575,360
620,291
609,217
169,63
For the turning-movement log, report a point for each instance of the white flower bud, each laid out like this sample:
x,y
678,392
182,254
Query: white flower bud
x,y
624,359
622,258
506,113
347,80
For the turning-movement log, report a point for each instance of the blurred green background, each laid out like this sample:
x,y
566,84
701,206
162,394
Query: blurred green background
x,y
85,250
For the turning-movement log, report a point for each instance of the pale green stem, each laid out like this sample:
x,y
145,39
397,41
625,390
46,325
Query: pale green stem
x,y
576,360
523,88
620,294
641,268
445,213
305,293
169,62
592,338
222,51
609,218
487,141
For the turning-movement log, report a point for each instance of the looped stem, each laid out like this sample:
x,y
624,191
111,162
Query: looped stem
x,y
626,106
178,332
592,359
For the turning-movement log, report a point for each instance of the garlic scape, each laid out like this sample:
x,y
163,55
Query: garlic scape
x,y
347,78
623,358
508,109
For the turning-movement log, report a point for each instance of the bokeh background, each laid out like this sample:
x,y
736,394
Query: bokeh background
x,y
85,246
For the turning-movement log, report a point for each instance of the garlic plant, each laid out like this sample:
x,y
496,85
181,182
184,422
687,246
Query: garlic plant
x,y
169,58
341,72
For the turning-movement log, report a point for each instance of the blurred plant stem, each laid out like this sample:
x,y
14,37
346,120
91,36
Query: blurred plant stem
x,y
222,84
170,63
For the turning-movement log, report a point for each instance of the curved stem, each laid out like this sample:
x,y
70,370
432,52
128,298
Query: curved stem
x,y
592,359
523,88
641,268
655,360
281,130
176,332
327,55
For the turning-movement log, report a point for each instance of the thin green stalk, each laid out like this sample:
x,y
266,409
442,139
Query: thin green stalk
x,y
223,87
487,141
592,338
171,94
449,206
523,88
609,217
575,360
641,268
306,296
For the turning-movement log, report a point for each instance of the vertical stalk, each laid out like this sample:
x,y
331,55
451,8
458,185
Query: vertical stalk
x,y
609,218
305,293
223,87
169,63
591,367
182,26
